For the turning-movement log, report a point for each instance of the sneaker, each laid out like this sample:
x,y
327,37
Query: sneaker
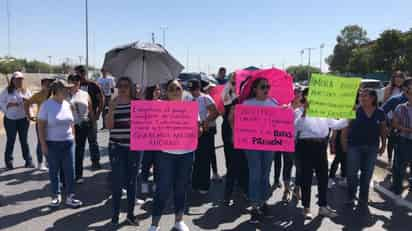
x,y
203,192
255,216
327,212
227,202
216,177
139,201
56,201
42,167
80,180
29,165
72,202
154,228
124,192
145,188
132,221
331,183
181,226
307,214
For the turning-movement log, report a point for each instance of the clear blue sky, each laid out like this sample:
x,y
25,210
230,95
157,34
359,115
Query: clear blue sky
x,y
232,33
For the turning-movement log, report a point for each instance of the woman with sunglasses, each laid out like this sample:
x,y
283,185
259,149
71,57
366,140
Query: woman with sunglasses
x,y
365,133
124,162
173,174
151,93
259,162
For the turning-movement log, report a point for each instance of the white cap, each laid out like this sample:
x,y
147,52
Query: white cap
x,y
17,75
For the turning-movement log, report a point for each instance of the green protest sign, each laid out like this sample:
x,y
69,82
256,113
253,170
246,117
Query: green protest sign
x,y
332,97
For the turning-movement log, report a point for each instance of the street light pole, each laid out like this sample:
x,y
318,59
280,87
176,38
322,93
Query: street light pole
x,y
87,37
321,49
164,28
8,29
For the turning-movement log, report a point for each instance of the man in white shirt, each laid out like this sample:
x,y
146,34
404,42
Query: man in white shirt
x,y
107,84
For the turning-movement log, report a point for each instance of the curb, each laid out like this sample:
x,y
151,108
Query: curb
x,y
398,200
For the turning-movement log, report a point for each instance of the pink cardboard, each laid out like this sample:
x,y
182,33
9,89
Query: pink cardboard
x,y
264,128
164,125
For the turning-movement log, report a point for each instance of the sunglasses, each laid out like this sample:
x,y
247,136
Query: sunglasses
x,y
264,87
174,89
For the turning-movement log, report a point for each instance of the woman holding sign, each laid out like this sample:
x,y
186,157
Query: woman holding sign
x,y
124,162
311,154
173,173
259,162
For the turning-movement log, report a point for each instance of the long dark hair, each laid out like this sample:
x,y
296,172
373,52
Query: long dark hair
x,y
395,74
149,93
168,84
11,87
131,86
254,85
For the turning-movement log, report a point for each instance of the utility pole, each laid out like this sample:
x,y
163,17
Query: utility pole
x,y
87,37
153,38
187,60
80,60
301,57
164,28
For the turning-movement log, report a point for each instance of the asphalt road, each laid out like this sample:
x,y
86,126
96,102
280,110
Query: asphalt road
x,y
24,199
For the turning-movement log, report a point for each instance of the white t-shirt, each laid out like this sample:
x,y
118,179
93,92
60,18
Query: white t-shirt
x,y
80,102
205,101
59,120
17,112
107,84
269,102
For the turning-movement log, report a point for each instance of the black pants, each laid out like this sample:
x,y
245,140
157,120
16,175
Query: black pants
x,y
14,127
201,167
106,109
340,159
213,161
313,157
81,131
236,164
287,166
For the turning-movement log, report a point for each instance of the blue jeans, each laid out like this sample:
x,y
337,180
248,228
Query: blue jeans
x,y
14,127
403,157
363,159
173,174
260,163
125,166
61,157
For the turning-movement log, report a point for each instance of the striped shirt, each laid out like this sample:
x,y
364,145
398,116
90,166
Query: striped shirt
x,y
120,133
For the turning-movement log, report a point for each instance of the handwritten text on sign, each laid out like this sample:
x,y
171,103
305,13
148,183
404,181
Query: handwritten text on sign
x,y
164,125
332,97
264,128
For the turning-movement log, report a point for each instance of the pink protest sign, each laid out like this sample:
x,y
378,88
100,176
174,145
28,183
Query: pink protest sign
x,y
264,128
281,83
164,125
216,94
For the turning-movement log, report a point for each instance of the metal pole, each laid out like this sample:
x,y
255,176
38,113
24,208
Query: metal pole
x,y
153,38
164,28
187,60
301,57
87,38
8,29
321,49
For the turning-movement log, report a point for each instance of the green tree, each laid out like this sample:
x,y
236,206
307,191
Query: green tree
x,y
389,51
408,51
350,38
361,61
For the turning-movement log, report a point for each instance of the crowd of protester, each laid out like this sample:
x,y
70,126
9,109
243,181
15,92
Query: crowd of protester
x,y
68,111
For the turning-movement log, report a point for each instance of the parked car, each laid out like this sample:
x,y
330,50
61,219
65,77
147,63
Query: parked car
x,y
377,85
